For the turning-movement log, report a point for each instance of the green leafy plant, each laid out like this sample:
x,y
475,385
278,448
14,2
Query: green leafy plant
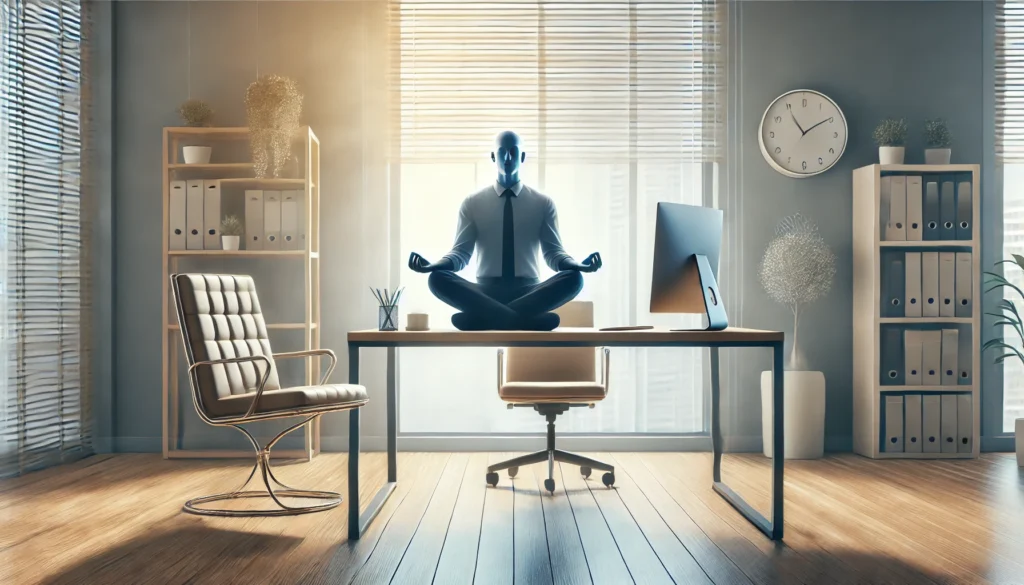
x,y
231,226
1007,314
891,132
936,133
195,113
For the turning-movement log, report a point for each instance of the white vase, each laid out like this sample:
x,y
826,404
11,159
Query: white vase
x,y
890,155
937,156
803,411
230,242
196,155
1018,428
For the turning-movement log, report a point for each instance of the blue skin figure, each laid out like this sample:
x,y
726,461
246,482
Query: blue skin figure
x,y
506,302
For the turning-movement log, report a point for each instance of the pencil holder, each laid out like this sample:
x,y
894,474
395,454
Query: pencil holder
x,y
387,318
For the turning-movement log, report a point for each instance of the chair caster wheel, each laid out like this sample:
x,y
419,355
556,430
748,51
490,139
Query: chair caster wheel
x,y
585,472
608,479
512,471
549,484
492,478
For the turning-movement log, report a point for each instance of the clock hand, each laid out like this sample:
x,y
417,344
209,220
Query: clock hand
x,y
818,124
802,131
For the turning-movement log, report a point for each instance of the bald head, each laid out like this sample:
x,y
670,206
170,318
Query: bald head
x,y
507,156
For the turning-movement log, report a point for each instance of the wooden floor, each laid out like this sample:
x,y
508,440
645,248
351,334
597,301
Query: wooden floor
x,y
117,520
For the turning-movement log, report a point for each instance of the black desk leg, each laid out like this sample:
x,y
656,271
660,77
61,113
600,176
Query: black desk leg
x,y
771,529
353,449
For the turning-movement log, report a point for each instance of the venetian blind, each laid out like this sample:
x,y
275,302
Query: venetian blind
x,y
1009,76
614,80
44,414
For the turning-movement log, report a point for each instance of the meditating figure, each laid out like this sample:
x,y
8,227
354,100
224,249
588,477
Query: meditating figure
x,y
507,223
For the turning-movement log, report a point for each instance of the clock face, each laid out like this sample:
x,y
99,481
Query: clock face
x,y
803,133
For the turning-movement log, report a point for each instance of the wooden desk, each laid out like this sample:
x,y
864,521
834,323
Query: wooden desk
x,y
569,337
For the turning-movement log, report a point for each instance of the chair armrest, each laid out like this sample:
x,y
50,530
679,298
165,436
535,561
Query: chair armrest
x,y
238,360
606,358
501,369
311,353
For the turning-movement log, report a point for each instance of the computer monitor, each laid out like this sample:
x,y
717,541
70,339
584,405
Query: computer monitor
x,y
687,244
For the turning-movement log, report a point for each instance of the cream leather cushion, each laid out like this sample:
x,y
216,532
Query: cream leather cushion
x,y
296,397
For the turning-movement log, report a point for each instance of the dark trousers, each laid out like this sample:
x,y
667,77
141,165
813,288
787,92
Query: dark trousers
x,y
495,303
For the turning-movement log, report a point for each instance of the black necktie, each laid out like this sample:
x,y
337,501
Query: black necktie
x,y
508,243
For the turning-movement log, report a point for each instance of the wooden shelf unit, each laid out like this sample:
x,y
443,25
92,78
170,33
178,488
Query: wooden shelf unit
x,y
868,248
173,167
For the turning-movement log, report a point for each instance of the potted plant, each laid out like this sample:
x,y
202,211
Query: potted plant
x,y
231,230
273,106
196,114
890,135
938,139
797,269
1007,315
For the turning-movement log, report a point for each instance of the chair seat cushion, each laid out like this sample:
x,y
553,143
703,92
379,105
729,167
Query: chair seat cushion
x,y
329,395
552,392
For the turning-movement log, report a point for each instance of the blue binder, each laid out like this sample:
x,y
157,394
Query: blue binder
x,y
947,209
964,208
891,357
930,214
893,287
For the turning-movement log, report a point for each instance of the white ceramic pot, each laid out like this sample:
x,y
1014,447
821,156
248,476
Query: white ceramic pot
x,y
937,156
196,155
804,414
417,322
230,242
890,155
1018,428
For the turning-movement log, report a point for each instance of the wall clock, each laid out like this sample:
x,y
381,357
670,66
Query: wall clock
x,y
802,134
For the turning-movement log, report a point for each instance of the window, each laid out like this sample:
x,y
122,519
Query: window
x,y
44,415
615,103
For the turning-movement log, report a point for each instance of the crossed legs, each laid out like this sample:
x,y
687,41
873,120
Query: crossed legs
x,y
502,307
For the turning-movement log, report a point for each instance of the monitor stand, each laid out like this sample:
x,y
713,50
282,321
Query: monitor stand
x,y
713,307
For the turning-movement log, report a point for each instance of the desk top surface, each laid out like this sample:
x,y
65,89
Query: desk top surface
x,y
565,335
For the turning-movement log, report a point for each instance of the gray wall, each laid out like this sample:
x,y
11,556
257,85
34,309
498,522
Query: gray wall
x,y
915,60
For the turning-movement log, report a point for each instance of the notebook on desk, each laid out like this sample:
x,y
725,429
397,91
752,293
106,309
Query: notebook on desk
x,y
627,328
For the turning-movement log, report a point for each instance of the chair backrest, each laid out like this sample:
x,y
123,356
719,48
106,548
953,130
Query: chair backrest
x,y
560,364
220,317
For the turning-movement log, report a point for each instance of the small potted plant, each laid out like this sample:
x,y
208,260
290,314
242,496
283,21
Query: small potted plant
x,y
938,139
890,135
196,114
231,230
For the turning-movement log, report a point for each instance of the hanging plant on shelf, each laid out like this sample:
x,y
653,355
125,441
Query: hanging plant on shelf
x,y
1006,313
273,105
797,269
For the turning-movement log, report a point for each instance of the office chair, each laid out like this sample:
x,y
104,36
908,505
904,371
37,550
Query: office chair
x,y
234,381
551,380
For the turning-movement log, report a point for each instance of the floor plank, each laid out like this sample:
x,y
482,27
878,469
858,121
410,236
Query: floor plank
x,y
568,560
494,561
603,556
457,565
532,559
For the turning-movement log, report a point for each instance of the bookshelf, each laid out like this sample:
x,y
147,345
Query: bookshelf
x,y
234,178
873,320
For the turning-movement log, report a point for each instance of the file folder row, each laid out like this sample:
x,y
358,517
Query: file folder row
x,y
274,220
194,215
928,284
928,423
914,357
916,208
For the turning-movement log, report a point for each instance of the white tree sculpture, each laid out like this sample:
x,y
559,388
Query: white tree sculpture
x,y
798,268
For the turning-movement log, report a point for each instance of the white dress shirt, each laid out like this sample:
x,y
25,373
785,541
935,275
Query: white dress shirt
x,y
481,225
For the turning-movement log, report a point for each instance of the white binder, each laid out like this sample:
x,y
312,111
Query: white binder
x,y
194,215
964,284
893,424
931,357
912,306
272,220
930,214
947,212
912,359
914,208
930,426
964,424
947,427
254,220
950,347
211,215
912,442
930,284
947,284
965,359
290,220
896,229
176,221
964,211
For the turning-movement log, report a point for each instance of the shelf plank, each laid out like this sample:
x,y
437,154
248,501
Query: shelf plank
x,y
210,166
241,253
968,168
927,244
884,455
293,326
925,320
268,182
892,388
